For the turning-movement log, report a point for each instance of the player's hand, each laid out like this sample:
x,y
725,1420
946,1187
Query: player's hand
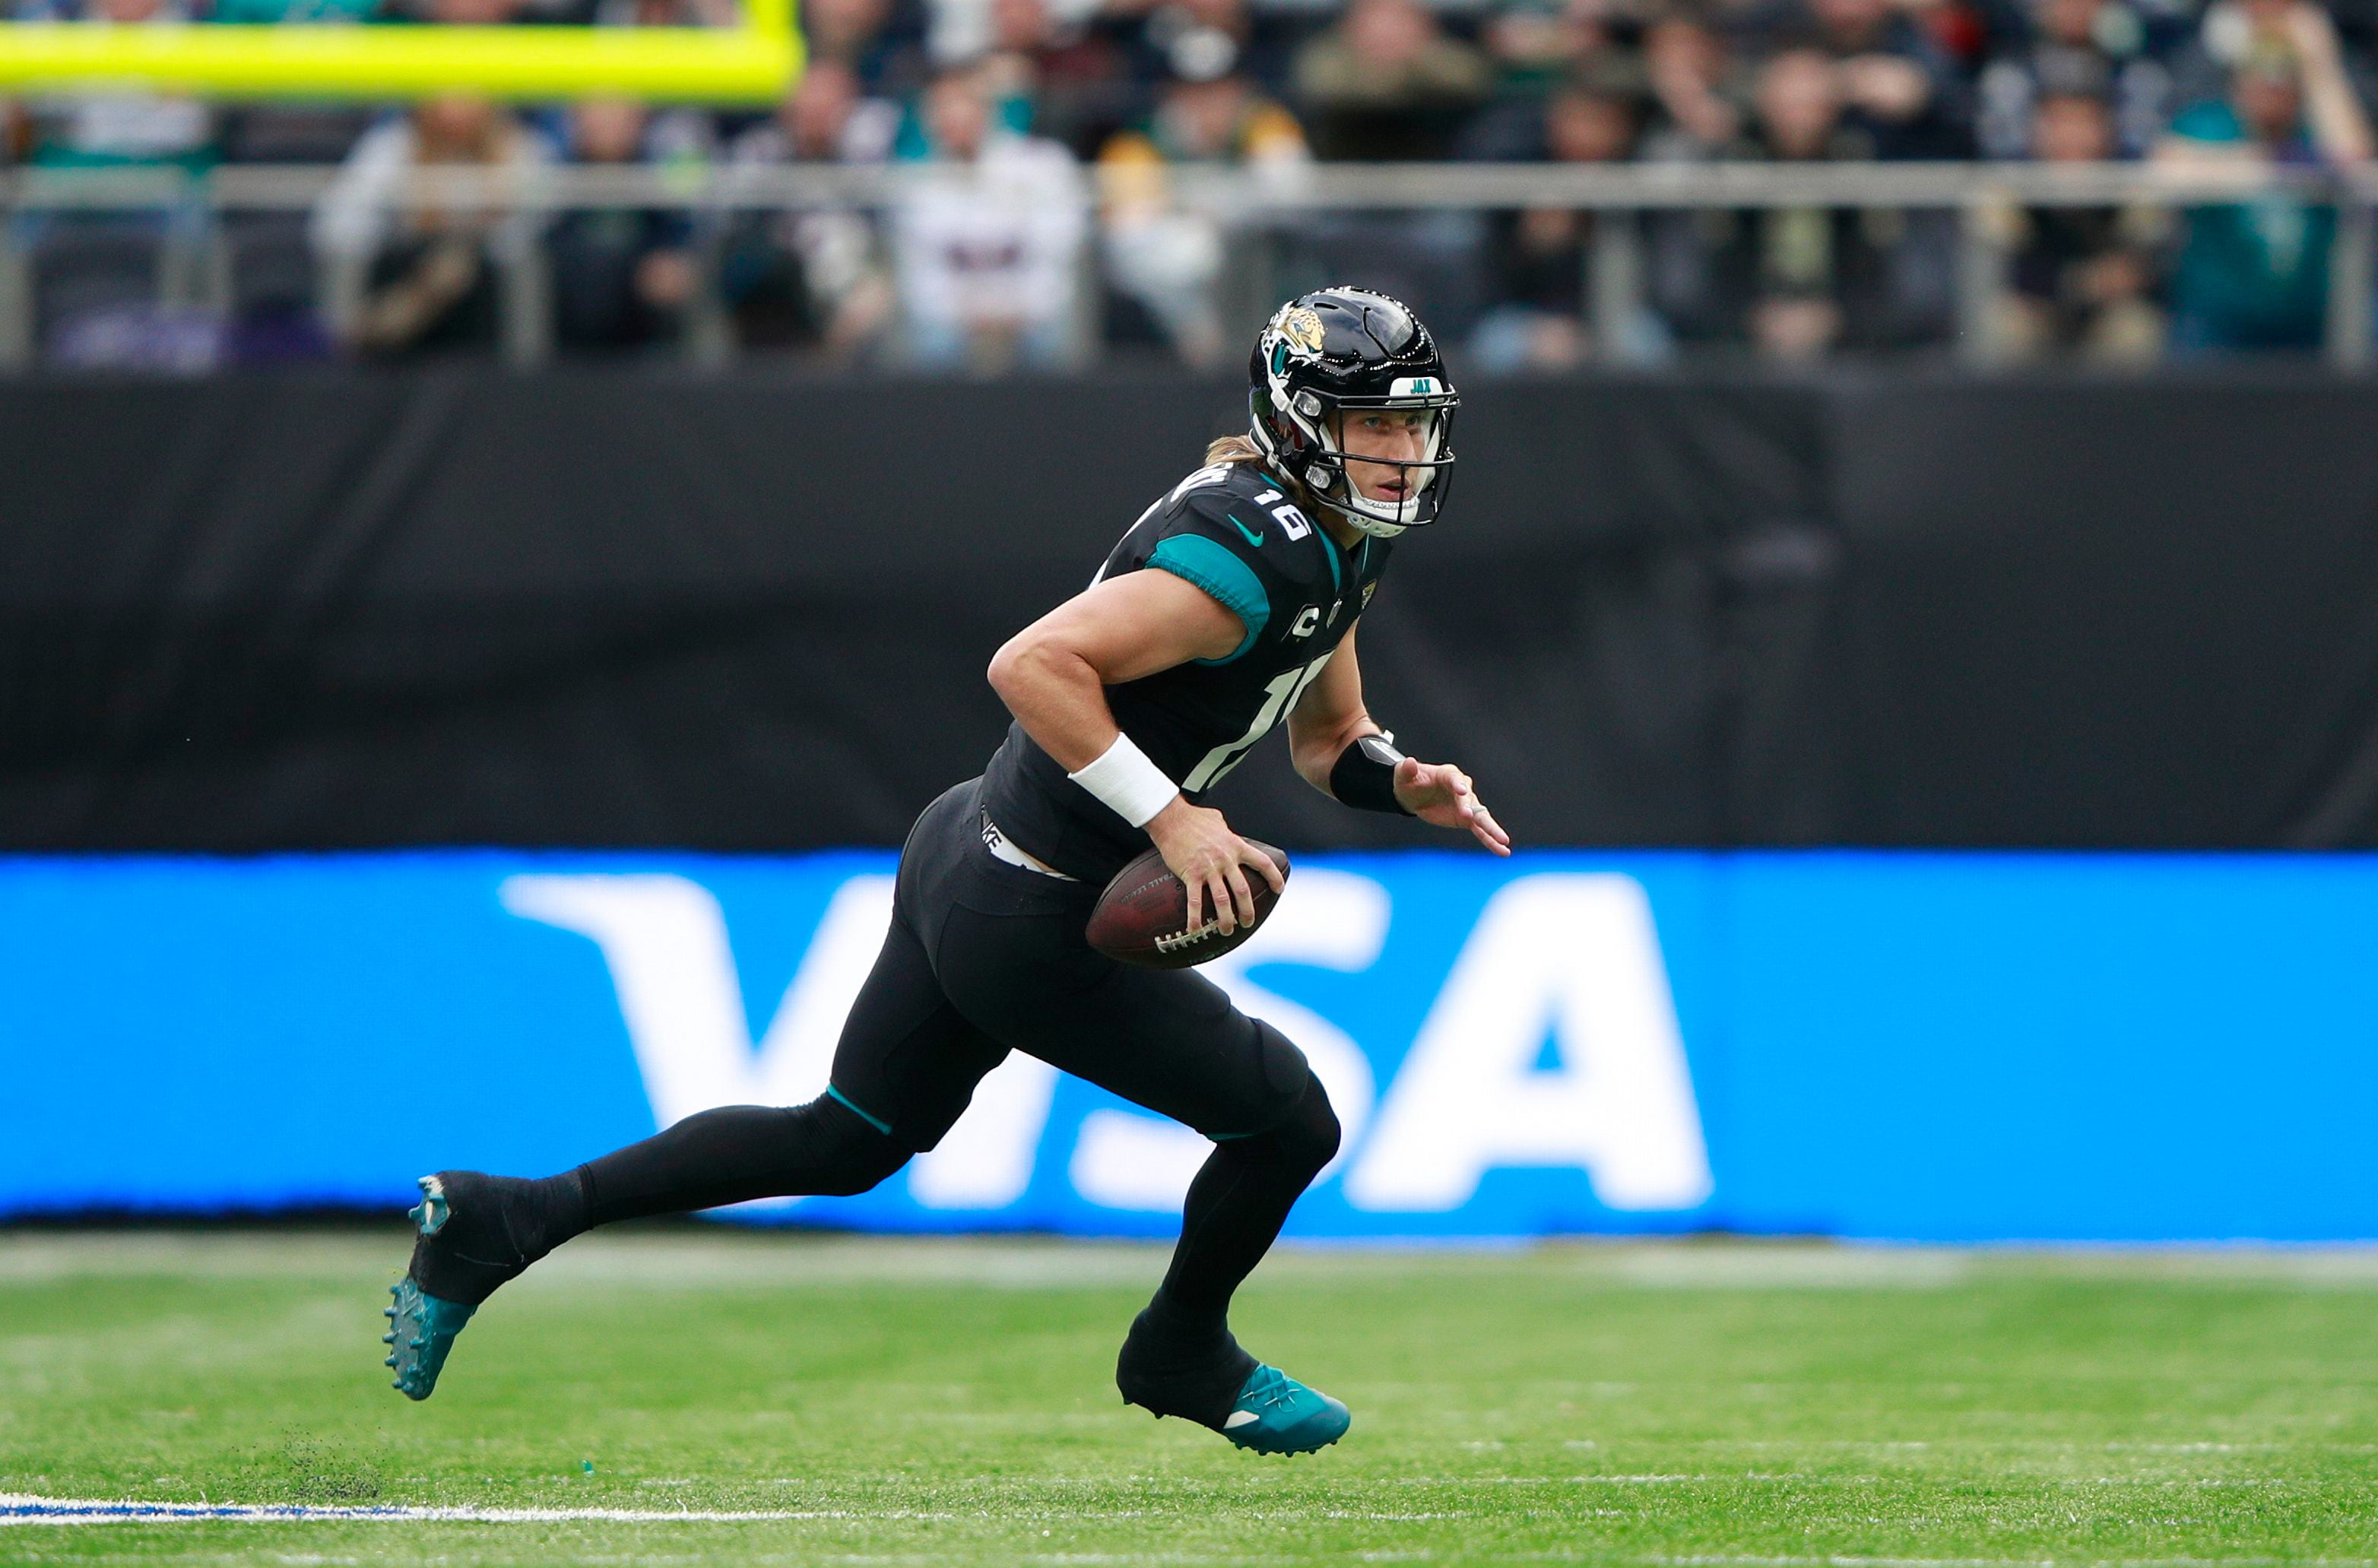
x,y
1199,848
1441,793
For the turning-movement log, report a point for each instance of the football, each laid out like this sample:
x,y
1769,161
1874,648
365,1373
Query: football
x,y
1143,916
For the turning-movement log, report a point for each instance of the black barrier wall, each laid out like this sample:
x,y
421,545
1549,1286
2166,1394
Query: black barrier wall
x,y
754,613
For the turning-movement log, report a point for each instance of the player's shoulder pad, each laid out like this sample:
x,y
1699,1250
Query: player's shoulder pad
x,y
1211,491
1242,508
1230,532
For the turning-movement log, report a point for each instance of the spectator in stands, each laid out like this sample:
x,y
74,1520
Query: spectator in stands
x,y
1796,258
1073,81
2083,276
1386,83
827,118
1172,25
622,278
666,13
987,254
1897,91
846,31
860,34
2071,40
814,278
2255,275
1541,256
97,274
1699,88
2233,33
458,13
970,31
421,279
1537,44
1164,262
126,129
277,11
1542,48
1797,282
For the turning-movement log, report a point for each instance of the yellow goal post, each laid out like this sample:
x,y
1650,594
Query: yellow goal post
x,y
752,63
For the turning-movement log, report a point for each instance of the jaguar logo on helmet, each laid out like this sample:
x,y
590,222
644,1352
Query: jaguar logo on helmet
x,y
1302,328
1343,349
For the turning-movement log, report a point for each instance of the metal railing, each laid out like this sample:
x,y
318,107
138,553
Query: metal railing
x,y
193,266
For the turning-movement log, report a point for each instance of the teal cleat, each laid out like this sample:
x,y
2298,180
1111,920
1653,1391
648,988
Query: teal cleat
x,y
422,1327
1276,1413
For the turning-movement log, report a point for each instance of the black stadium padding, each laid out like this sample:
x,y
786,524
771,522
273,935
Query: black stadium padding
x,y
753,612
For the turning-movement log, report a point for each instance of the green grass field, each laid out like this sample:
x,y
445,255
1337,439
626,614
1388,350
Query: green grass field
x,y
929,1402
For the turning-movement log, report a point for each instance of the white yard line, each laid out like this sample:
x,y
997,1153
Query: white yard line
x,y
26,1509
21,1509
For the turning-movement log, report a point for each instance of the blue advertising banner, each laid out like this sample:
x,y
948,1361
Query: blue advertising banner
x,y
1952,1047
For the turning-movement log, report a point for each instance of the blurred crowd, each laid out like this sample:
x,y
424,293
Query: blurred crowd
x,y
1057,232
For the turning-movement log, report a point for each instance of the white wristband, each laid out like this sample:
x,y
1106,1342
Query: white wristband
x,y
1132,787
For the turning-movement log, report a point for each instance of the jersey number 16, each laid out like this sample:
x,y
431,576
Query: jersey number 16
x,y
1279,695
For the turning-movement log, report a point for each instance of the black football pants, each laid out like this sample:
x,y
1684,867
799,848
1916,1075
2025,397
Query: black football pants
x,y
984,958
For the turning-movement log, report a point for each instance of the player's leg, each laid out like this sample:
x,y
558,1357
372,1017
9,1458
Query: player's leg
x,y
1239,1200
904,1070
1180,1353
903,1046
1171,1041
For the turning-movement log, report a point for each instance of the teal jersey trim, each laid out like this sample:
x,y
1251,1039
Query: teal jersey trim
x,y
1329,546
876,1123
1194,558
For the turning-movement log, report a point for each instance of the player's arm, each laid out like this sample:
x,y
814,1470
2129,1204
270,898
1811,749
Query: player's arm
x,y
1052,675
1325,730
1329,717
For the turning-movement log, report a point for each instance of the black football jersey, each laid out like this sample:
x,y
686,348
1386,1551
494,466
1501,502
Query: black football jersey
x,y
1232,530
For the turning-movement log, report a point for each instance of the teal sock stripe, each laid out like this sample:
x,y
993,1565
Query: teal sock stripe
x,y
855,1109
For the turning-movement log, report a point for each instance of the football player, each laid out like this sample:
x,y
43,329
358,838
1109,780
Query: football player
x,y
1229,606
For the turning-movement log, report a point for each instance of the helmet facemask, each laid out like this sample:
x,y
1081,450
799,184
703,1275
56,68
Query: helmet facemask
x,y
1310,448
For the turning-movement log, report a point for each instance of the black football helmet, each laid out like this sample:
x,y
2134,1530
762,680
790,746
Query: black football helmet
x,y
1348,348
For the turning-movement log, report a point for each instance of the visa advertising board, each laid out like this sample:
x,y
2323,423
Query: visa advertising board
x,y
1926,1047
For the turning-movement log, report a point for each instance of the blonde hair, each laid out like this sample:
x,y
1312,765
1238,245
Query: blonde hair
x,y
1243,448
1232,449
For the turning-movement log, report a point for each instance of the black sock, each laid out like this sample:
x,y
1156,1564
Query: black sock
x,y
497,1226
1236,1206
557,1211
1191,1368
494,1227
739,1152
